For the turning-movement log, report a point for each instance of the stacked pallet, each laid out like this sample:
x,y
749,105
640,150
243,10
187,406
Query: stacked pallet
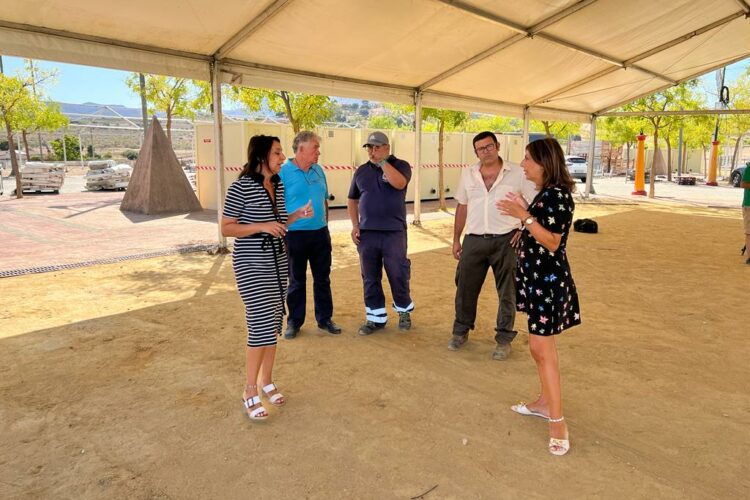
x,y
37,177
107,175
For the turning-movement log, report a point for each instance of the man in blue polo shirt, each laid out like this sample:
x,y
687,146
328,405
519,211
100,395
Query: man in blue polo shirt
x,y
377,209
307,239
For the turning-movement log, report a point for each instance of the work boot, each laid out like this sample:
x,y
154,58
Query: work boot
x,y
502,351
457,341
404,321
291,331
370,327
330,327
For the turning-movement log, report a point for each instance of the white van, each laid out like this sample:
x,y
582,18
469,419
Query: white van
x,y
577,166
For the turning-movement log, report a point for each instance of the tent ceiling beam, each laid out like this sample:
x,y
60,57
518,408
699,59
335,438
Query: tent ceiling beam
x,y
690,112
654,91
533,31
641,56
250,28
744,6
293,72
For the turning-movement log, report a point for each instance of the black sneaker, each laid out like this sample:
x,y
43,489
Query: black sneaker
x,y
502,351
404,321
330,327
291,332
370,327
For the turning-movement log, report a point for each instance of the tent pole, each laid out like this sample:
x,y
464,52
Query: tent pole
x,y
218,151
525,136
417,152
590,160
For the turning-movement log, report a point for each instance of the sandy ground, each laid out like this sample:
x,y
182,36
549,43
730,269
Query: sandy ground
x,y
124,380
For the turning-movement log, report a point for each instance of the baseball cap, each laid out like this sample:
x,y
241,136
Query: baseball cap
x,y
376,139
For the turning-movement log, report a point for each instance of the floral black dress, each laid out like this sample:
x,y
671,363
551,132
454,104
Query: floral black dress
x,y
545,290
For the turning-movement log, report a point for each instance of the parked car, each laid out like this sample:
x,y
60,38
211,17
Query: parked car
x,y
577,167
646,176
736,176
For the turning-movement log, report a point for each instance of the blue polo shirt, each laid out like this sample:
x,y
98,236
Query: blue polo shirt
x,y
381,206
301,187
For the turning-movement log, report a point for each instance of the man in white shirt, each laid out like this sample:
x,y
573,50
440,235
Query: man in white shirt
x,y
487,242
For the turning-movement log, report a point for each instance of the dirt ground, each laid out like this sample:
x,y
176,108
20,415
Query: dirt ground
x,y
124,380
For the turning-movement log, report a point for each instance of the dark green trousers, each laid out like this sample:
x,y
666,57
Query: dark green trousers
x,y
480,253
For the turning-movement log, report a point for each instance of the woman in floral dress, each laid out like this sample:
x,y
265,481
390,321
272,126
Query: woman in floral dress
x,y
545,290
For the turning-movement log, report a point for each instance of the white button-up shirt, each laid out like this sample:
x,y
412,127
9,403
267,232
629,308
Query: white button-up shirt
x,y
482,216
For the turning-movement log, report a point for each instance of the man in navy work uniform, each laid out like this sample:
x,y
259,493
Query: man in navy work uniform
x,y
377,208
308,240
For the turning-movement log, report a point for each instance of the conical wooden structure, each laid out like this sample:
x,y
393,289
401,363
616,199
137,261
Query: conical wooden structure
x,y
158,184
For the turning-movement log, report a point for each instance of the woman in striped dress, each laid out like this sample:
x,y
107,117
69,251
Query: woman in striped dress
x,y
255,215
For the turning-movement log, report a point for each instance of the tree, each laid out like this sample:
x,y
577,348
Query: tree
x,y
698,133
304,111
679,97
41,115
172,96
72,149
621,130
445,119
739,125
16,102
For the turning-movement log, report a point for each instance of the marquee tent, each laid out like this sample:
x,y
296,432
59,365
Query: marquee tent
x,y
542,59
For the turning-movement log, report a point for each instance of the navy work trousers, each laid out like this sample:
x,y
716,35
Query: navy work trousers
x,y
378,250
313,246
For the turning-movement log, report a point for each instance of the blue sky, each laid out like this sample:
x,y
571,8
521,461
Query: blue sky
x,y
80,84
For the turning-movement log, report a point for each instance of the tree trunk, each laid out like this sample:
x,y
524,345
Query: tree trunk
x,y
669,158
169,126
705,163
289,114
627,160
547,128
25,140
653,164
441,180
684,158
13,160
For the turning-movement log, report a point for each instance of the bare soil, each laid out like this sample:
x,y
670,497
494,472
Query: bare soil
x,y
124,380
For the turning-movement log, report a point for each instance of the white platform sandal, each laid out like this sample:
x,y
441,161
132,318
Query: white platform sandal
x,y
558,447
254,414
275,399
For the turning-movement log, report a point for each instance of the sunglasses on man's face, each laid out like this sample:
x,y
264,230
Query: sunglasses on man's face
x,y
370,147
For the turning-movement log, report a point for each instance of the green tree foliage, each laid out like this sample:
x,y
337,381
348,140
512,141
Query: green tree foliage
x,y
304,111
680,97
382,122
557,129
41,114
497,124
621,131
72,148
175,97
738,125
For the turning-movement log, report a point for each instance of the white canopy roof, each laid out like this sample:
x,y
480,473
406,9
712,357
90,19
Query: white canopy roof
x,y
561,59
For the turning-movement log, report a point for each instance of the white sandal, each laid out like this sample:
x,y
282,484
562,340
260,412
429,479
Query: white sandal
x,y
556,446
522,409
254,414
275,398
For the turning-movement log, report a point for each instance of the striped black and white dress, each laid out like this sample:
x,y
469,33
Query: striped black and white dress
x,y
259,260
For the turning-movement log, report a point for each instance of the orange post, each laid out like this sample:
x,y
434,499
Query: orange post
x,y
713,167
640,167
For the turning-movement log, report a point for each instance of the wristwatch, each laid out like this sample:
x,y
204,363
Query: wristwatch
x,y
528,221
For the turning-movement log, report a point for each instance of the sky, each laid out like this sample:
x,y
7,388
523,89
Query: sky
x,y
80,84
